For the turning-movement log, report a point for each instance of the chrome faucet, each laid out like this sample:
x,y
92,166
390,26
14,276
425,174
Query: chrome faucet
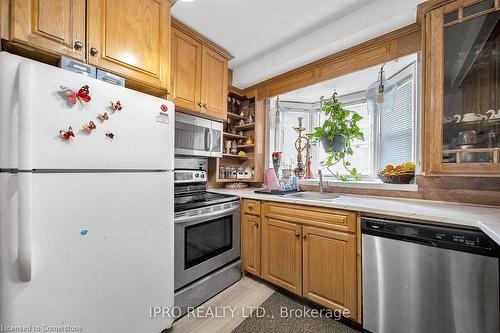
x,y
320,183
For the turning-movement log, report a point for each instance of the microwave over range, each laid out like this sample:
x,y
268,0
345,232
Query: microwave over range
x,y
195,136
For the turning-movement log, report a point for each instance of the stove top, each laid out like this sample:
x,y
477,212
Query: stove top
x,y
200,199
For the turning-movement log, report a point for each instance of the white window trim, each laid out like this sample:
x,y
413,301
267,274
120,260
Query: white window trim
x,y
371,181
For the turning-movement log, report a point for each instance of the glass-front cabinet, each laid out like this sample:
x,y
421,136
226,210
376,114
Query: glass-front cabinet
x,y
462,88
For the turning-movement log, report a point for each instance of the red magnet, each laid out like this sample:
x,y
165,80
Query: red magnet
x,y
103,116
66,135
82,94
110,135
89,127
116,106
164,108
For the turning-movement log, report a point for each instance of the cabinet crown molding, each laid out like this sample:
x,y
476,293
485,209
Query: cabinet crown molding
x,y
200,38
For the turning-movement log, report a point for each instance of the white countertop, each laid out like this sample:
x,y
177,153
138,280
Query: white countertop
x,y
486,218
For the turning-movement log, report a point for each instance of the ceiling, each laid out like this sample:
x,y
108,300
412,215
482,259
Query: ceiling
x,y
347,84
270,37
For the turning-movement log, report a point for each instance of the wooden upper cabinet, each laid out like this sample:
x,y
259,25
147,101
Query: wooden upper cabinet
x,y
54,26
281,258
131,38
461,88
214,88
199,73
186,71
250,243
330,269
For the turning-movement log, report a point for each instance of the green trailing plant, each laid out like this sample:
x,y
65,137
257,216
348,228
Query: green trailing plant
x,y
339,123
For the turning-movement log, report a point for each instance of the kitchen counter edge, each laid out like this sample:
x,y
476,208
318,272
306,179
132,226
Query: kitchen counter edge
x,y
486,218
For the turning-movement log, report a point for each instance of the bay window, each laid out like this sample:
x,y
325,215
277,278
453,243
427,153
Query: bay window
x,y
389,138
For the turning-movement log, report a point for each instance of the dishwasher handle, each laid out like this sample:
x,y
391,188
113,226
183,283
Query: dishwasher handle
x,y
458,239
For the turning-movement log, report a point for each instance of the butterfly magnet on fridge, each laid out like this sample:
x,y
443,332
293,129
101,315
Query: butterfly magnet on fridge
x,y
67,134
83,94
116,106
103,116
110,135
89,127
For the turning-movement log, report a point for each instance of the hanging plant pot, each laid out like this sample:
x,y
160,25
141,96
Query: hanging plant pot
x,y
336,145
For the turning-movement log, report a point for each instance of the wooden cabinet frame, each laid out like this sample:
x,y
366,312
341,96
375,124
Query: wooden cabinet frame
x,y
208,80
433,76
250,244
284,270
159,76
342,289
27,27
186,93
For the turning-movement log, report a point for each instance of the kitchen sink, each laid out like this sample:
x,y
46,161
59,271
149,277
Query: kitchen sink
x,y
313,196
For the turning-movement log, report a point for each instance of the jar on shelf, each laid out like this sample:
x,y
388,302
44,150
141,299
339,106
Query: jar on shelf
x,y
234,173
227,172
241,173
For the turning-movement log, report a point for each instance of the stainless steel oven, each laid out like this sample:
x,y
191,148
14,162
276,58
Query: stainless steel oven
x,y
195,136
206,239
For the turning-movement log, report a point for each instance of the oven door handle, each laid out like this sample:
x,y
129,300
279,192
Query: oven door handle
x,y
209,216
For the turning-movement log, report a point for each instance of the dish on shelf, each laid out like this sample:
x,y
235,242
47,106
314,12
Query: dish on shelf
x,y
235,186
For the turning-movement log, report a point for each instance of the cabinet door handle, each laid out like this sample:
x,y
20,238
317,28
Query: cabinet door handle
x,y
204,105
297,234
256,225
93,51
78,45
199,104
304,236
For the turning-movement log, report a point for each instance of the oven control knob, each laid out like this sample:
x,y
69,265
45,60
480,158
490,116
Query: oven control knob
x,y
197,175
202,175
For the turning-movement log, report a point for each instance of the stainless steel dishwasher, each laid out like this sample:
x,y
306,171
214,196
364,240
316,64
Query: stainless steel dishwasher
x,y
422,278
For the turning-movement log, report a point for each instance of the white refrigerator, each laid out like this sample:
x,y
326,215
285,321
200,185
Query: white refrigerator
x,y
86,220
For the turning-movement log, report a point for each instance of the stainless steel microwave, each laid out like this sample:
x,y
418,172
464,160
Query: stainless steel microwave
x,y
195,136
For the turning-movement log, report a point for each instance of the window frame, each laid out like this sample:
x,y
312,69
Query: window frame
x,y
409,73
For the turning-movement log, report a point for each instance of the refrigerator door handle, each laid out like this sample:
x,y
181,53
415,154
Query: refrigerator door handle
x,y
25,116
24,187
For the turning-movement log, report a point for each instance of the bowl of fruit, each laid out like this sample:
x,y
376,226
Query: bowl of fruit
x,y
399,174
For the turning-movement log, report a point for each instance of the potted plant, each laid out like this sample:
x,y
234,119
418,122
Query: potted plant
x,y
336,134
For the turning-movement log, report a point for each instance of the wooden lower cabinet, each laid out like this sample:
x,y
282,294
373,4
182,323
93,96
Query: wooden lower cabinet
x,y
282,254
315,258
250,243
329,271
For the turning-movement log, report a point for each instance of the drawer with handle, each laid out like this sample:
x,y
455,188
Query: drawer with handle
x,y
251,207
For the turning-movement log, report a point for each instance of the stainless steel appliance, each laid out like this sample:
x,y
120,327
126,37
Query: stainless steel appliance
x,y
206,240
195,136
422,278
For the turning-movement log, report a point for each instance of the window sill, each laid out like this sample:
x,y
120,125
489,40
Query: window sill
x,y
366,184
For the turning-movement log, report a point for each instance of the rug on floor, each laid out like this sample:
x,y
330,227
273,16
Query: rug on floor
x,y
279,320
